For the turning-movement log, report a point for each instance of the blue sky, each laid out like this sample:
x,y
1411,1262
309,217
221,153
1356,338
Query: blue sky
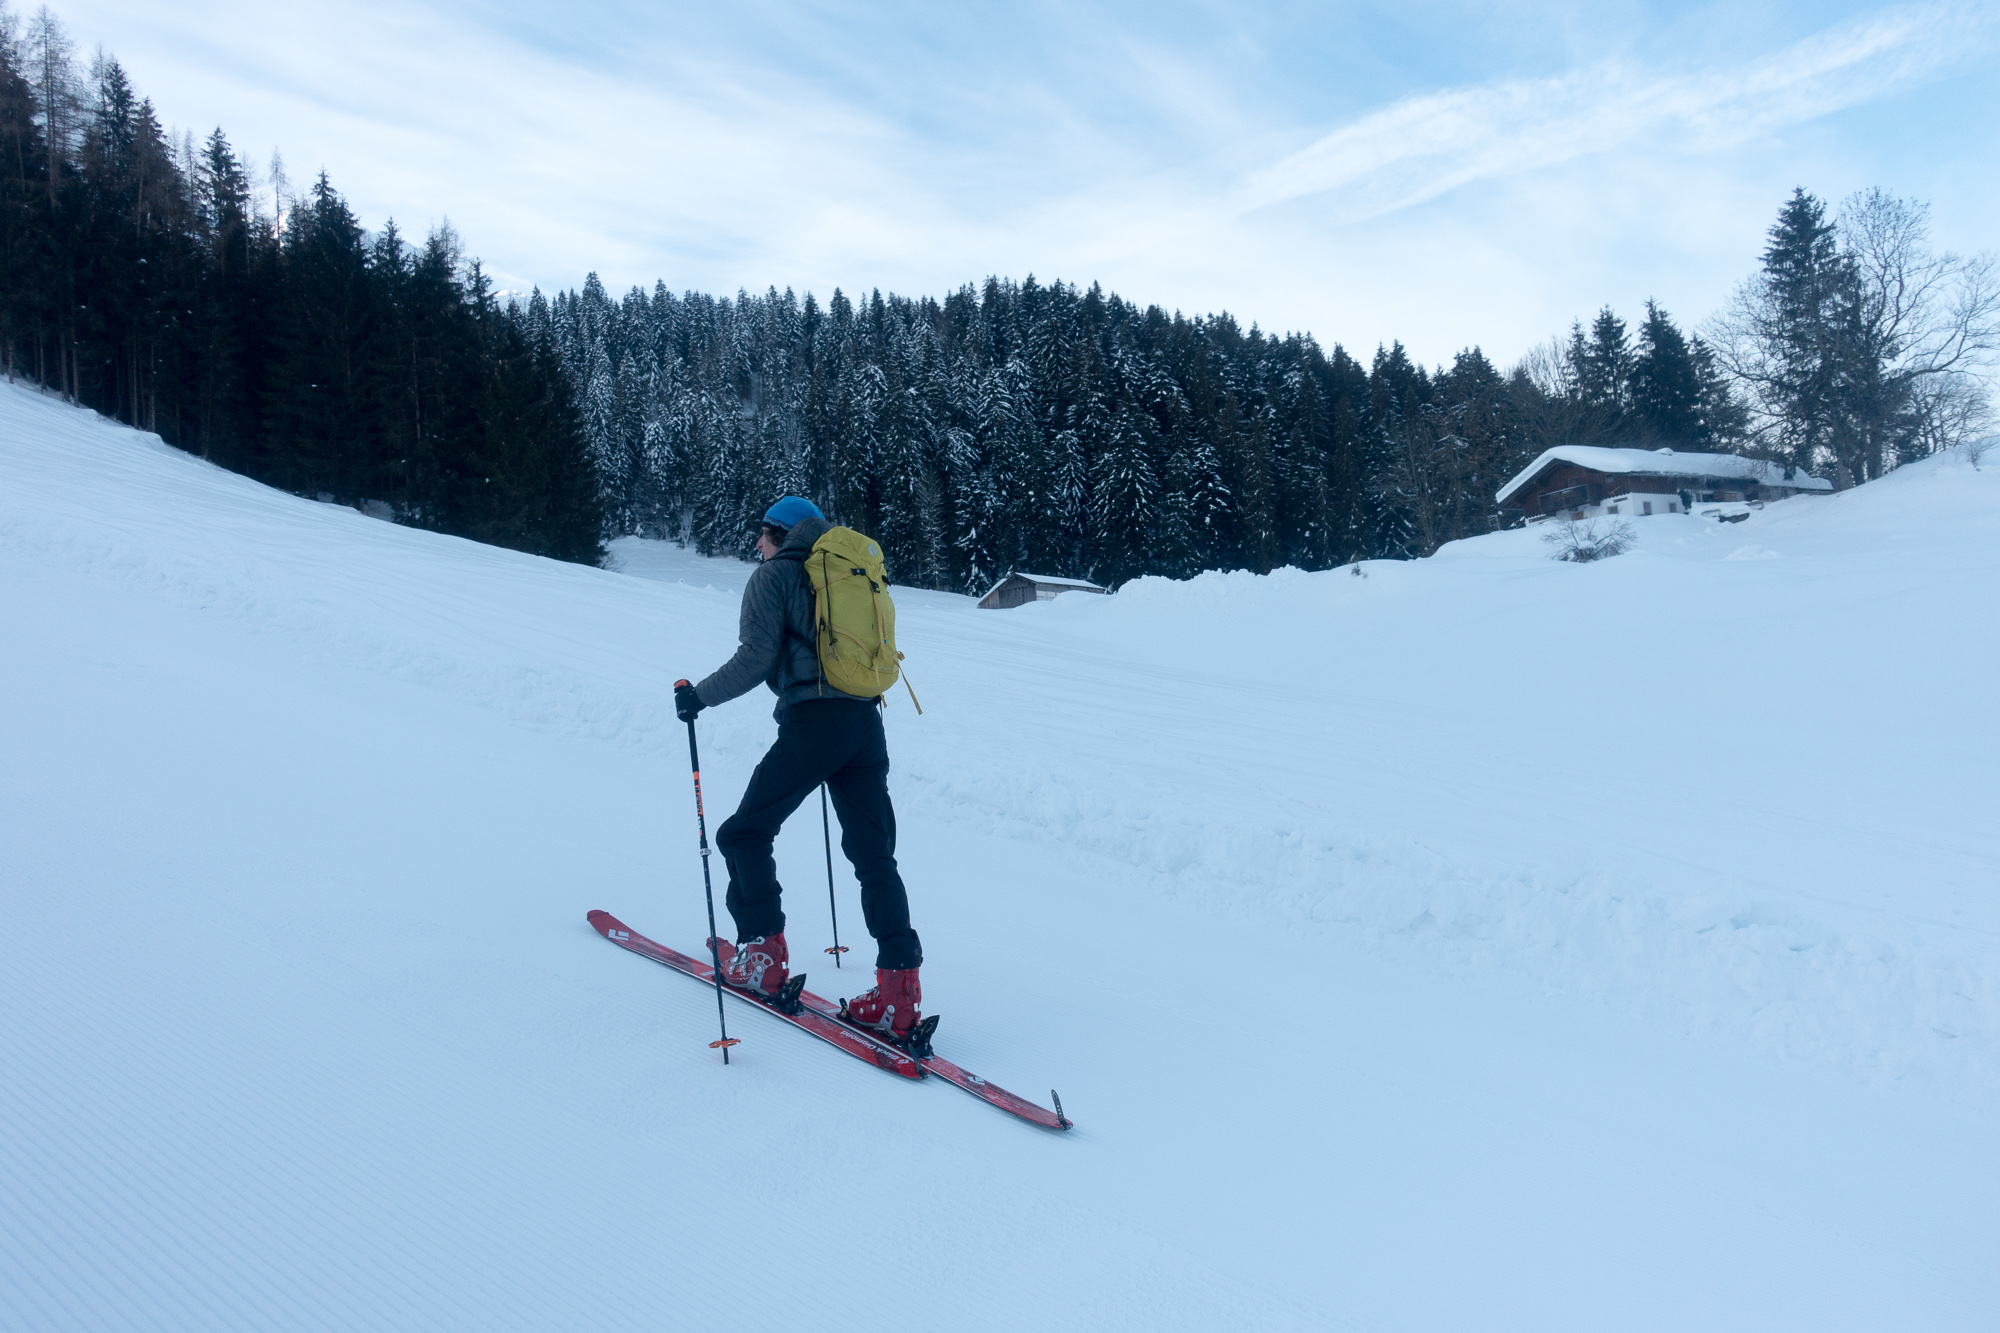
x,y
1446,175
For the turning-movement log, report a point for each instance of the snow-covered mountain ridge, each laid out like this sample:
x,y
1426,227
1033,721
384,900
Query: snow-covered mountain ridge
x,y
1479,941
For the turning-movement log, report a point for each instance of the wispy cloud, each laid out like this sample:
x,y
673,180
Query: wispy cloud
x,y
1423,146
910,146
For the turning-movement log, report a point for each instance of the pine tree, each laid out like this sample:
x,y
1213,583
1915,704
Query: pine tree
x,y
598,403
1665,388
860,403
1398,390
1023,478
326,418
435,342
549,500
1600,366
1125,500
1209,508
220,424
59,109
990,463
1805,292
1477,445
1724,420
902,434
25,215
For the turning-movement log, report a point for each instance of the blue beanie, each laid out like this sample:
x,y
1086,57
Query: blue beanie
x,y
790,510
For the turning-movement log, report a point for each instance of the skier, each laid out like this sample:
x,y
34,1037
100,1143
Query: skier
x,y
823,736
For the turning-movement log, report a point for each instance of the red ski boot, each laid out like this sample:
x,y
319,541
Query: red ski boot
x,y
890,1008
761,965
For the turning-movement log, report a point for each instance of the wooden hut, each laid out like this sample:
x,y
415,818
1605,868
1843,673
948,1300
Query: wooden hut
x,y
1583,481
1016,589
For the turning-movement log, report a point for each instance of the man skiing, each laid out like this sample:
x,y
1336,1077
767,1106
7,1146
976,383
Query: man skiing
x,y
825,736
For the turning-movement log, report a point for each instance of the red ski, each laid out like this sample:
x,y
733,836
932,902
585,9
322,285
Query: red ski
x,y
933,1063
810,1015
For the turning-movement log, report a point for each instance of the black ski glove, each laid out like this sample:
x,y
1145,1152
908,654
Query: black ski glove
x,y
687,704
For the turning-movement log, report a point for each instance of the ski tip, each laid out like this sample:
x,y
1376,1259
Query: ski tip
x,y
610,927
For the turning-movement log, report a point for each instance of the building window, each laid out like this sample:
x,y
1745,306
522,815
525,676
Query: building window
x,y
1648,507
1614,509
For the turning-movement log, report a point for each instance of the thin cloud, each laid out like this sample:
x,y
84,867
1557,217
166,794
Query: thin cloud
x,y
1422,147
814,146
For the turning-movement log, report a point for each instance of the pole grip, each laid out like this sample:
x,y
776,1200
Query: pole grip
x,y
694,758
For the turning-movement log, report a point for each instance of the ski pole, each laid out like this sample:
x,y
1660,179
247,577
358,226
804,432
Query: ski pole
x,y
708,891
826,831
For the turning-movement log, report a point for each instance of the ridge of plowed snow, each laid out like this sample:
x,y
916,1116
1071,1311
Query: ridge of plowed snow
x,y
1477,941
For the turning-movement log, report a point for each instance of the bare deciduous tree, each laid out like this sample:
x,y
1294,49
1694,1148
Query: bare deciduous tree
x,y
1932,319
1857,344
1952,410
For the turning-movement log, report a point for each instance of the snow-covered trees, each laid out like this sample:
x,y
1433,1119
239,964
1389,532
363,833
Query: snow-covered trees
x,y
1660,387
1013,425
138,277
1125,499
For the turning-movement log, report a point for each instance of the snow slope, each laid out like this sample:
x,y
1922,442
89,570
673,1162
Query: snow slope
x,y
1475,942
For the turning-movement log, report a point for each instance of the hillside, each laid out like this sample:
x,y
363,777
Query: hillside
x,y
1481,941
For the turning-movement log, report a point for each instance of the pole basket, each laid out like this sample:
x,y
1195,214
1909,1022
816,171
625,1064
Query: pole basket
x,y
724,1044
837,949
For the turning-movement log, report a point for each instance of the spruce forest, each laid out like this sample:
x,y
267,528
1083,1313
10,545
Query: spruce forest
x,y
1012,424
139,277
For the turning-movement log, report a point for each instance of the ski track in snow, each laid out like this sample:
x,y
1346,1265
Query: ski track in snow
x,y
1644,914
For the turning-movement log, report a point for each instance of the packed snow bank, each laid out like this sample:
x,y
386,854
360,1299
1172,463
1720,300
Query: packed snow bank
x,y
302,812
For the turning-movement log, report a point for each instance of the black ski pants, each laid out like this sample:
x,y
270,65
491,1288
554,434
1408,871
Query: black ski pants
x,y
838,742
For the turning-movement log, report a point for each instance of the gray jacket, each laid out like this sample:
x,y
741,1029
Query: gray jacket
x,y
776,631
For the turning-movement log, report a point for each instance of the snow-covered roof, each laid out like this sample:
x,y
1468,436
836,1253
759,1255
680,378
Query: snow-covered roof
x,y
1039,578
1051,578
1664,463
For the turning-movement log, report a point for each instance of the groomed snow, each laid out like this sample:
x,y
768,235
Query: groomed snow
x,y
1479,942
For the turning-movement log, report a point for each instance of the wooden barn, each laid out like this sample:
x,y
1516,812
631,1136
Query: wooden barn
x,y
1584,481
1016,589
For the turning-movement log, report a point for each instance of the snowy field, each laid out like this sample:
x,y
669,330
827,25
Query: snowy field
x,y
1481,942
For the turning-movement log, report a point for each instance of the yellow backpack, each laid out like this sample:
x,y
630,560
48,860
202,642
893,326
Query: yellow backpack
x,y
856,638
